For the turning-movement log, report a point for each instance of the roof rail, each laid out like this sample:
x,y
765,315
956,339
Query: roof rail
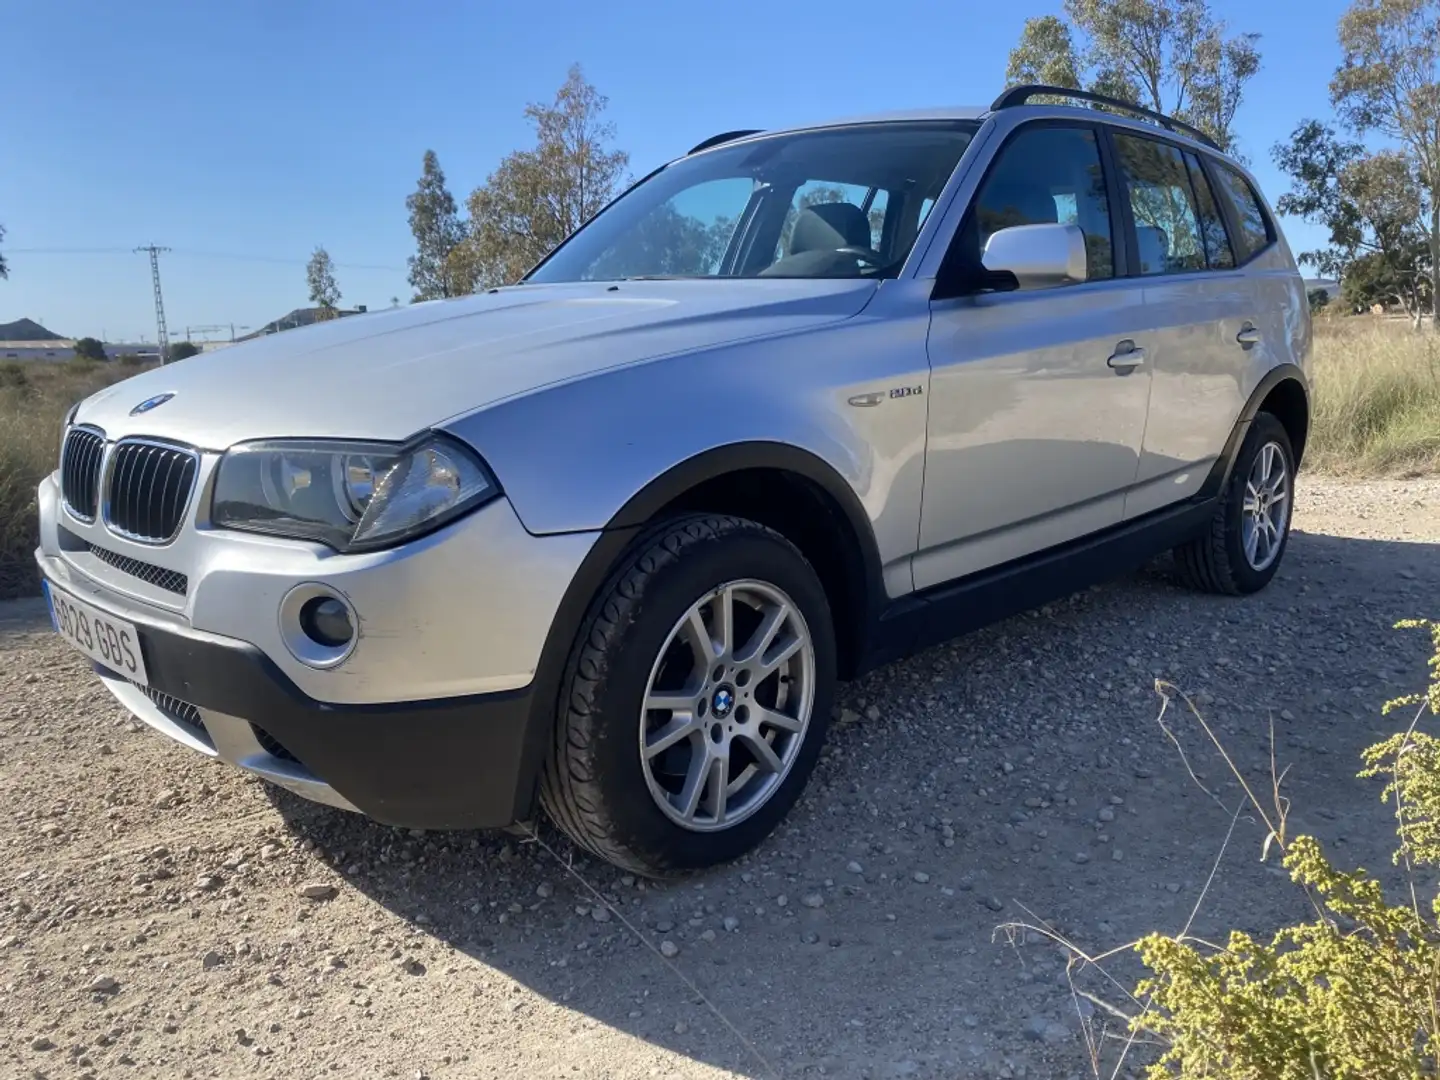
x,y
723,137
1019,95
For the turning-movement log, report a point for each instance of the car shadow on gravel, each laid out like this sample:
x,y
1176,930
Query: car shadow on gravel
x,y
1021,765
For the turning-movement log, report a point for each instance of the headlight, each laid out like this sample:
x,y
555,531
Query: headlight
x,y
353,496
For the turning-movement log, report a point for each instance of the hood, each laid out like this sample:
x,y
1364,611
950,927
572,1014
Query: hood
x,y
389,374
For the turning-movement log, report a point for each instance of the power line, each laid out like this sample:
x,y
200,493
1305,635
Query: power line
x,y
197,254
72,251
279,260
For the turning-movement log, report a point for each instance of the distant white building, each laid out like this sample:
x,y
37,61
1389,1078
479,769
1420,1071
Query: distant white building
x,y
60,349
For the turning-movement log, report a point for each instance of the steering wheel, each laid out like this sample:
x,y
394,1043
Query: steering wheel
x,y
864,254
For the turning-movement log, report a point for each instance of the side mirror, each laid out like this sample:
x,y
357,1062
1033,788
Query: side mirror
x,y
1040,256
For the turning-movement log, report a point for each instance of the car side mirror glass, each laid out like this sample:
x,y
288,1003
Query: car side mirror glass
x,y
1040,256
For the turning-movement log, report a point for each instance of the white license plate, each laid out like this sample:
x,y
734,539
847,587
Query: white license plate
x,y
105,639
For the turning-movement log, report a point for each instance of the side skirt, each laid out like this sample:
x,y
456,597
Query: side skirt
x,y
946,611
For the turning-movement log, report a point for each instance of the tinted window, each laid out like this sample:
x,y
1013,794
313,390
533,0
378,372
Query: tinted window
x,y
1255,229
1167,224
1047,175
1212,224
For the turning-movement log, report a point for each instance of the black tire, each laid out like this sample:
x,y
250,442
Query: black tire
x,y
593,785
1214,561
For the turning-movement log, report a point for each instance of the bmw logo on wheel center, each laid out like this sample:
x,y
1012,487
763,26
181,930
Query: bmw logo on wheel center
x,y
151,403
724,702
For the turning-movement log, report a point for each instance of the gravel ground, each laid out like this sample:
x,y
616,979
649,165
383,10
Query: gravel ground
x,y
162,916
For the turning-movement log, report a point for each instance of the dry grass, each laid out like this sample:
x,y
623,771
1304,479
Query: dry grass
x,y
33,401
1376,398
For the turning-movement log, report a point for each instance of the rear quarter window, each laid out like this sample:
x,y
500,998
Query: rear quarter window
x,y
1255,230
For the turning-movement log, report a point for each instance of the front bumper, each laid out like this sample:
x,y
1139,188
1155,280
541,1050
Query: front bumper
x,y
460,762
429,721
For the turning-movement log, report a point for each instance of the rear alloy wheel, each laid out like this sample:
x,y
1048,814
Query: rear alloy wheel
x,y
1265,512
696,698
1240,551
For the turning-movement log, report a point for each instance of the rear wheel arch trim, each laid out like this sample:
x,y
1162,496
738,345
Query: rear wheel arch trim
x,y
1273,378
1280,373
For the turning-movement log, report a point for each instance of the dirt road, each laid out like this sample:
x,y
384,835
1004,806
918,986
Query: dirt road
x,y
161,916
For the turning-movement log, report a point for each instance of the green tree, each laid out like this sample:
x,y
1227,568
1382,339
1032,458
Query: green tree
x,y
1172,56
1373,207
538,197
89,348
182,350
438,229
1386,85
1374,279
1319,300
1046,54
320,276
4,269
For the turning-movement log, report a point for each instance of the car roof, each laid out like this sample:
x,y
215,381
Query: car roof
x,y
938,112
1019,113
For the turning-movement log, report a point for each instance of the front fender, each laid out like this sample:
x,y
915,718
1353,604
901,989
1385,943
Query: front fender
x,y
591,454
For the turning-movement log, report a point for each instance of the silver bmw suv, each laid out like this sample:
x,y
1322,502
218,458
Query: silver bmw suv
x,y
602,542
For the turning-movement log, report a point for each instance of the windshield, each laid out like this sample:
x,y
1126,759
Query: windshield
x,y
837,202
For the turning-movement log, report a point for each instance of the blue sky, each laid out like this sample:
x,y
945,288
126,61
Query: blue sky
x,y
260,130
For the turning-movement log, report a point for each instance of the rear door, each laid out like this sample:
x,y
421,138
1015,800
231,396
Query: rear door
x,y
1035,427
1197,304
1280,312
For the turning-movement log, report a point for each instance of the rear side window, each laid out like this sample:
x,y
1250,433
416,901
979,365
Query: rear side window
x,y
1212,224
1256,232
1167,221
1046,175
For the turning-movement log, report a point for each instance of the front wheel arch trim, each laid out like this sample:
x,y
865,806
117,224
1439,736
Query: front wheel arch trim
x,y
634,519
641,508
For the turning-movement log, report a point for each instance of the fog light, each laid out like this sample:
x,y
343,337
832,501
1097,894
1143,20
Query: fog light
x,y
326,621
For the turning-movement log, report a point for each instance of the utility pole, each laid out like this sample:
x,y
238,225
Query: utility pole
x,y
161,334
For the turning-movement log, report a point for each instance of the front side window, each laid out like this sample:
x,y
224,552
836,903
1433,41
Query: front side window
x,y
1046,175
1167,223
837,202
1256,232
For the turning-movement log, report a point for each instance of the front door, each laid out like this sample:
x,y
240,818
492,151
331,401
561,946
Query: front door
x,y
1038,397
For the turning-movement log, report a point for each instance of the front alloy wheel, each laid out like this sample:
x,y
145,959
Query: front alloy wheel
x,y
727,705
696,698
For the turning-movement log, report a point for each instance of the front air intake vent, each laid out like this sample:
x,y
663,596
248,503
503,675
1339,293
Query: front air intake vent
x,y
169,580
